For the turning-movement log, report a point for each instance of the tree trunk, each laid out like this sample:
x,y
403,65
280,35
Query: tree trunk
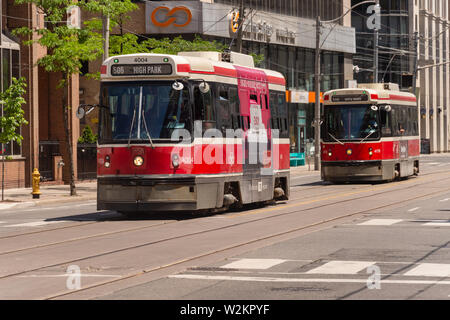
x,y
3,173
67,129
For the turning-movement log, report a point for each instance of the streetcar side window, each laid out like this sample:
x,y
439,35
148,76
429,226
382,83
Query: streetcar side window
x,y
235,107
234,99
282,111
204,110
386,123
264,101
224,118
273,110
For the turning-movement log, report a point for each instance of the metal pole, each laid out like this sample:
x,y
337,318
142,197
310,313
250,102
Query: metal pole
x,y
375,51
317,107
3,173
240,27
416,62
106,37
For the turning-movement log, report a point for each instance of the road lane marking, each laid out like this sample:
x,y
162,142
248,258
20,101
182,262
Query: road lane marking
x,y
67,275
413,209
380,222
273,279
254,263
4,206
337,196
443,200
430,270
438,224
341,267
33,224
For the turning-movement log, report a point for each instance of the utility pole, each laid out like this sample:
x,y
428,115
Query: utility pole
x,y
317,79
317,106
106,37
416,62
375,48
240,27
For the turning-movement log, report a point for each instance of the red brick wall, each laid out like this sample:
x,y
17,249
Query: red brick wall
x,y
14,173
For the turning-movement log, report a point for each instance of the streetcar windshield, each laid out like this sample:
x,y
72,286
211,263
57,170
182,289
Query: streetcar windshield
x,y
133,111
351,122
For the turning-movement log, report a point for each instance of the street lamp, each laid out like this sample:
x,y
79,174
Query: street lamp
x,y
317,80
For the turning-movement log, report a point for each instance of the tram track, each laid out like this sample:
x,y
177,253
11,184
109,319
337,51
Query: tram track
x,y
229,215
294,190
271,236
294,211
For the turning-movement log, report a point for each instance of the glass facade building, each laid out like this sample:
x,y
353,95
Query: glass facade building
x,y
393,65
326,9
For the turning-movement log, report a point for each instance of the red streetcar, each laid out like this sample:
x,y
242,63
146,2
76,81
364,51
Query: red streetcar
x,y
369,134
190,132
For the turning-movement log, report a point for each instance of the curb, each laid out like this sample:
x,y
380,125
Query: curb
x,y
50,201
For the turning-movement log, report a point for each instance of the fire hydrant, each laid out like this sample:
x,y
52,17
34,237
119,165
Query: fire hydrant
x,y
35,184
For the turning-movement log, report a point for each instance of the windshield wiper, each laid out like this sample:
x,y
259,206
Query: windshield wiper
x,y
370,133
336,138
132,125
146,129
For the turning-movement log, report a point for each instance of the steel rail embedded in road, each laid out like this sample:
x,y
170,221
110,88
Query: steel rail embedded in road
x,y
243,213
145,271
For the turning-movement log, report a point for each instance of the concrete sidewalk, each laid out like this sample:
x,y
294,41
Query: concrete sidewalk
x,y
50,194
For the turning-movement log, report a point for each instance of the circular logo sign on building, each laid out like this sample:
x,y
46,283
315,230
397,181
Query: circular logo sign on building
x,y
177,16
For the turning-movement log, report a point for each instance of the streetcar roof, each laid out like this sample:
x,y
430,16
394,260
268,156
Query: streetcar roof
x,y
207,67
370,94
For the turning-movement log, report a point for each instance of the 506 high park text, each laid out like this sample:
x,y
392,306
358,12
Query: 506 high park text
x,y
226,309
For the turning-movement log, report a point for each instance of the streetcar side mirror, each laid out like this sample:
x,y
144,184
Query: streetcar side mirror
x,y
80,113
204,87
177,86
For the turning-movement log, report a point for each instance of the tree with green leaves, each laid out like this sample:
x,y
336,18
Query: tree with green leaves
x,y
12,118
129,43
87,136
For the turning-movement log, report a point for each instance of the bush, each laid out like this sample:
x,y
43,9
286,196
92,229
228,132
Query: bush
x,y
87,136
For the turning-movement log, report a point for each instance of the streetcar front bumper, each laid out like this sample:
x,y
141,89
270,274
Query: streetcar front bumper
x,y
352,171
146,195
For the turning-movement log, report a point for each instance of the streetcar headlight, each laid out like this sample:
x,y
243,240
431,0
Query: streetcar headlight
x,y
176,161
138,161
107,162
329,153
349,152
370,151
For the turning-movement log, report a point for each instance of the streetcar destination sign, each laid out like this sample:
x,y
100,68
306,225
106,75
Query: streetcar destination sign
x,y
141,69
350,98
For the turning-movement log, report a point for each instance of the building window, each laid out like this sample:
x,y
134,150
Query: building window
x,y
10,67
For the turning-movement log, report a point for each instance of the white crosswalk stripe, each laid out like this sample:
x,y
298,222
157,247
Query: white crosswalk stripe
x,y
390,222
341,267
254,263
430,270
380,222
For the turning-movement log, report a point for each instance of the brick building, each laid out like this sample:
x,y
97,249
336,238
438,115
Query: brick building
x,y
44,144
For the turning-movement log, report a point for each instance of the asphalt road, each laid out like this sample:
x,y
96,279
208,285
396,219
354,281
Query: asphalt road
x,y
347,241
